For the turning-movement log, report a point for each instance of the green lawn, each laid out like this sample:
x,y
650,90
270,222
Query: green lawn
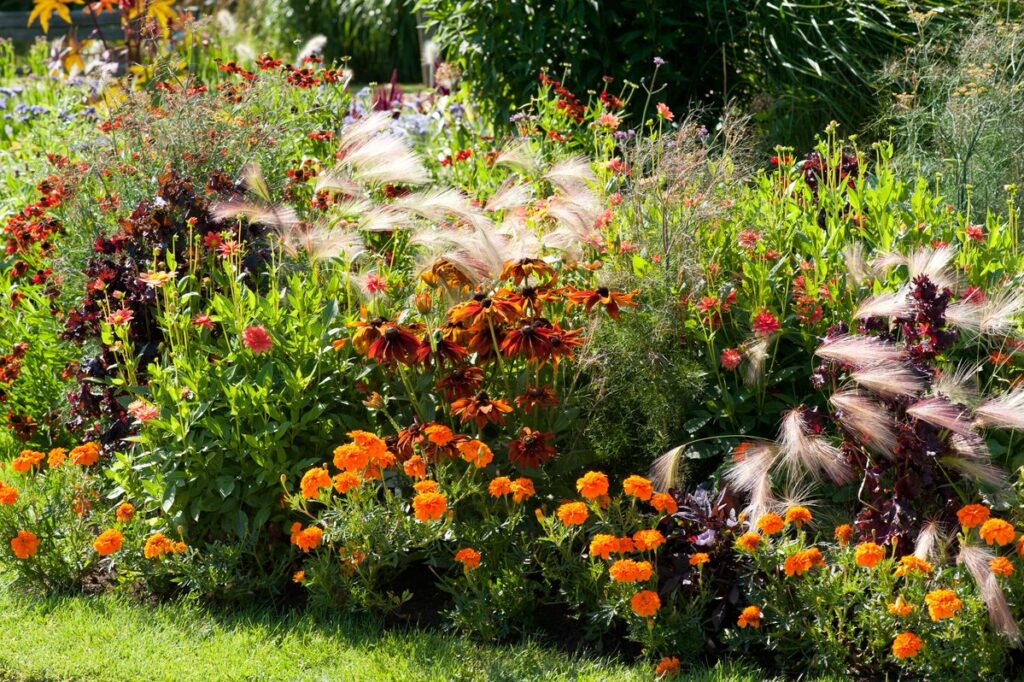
x,y
112,638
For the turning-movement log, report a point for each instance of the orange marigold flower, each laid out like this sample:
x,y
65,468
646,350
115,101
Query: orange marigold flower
x,y
844,534
648,540
415,467
85,455
699,559
27,460
750,616
592,485
629,571
573,513
1020,546
157,545
667,666
522,489
313,481
942,603
468,557
645,603
749,541
603,545
8,494
439,434
639,487
346,480
108,542
868,554
1001,566
911,563
664,502
351,457
56,457
502,485
125,512
299,577
426,486
900,607
306,538
626,546
997,531
798,515
770,523
371,442
25,545
906,645
476,453
973,515
430,506
803,561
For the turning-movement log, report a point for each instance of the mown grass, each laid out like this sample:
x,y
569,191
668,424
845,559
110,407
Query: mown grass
x,y
113,638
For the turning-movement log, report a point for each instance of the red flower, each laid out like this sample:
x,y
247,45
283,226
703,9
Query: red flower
x,y
765,324
203,320
731,358
976,232
395,344
257,339
612,301
531,448
536,396
481,409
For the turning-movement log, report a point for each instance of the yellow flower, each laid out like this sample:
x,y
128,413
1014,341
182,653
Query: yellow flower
x,y
942,603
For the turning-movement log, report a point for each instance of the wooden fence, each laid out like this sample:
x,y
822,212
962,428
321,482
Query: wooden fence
x,y
14,25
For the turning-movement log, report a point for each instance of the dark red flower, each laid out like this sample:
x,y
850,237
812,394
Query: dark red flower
x,y
531,449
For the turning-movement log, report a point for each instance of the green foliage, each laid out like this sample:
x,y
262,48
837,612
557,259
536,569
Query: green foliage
x,y
797,64
954,111
374,37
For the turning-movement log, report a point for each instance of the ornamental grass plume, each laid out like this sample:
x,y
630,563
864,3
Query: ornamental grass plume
x,y
868,421
859,351
1004,411
978,561
940,412
884,305
891,380
926,545
801,452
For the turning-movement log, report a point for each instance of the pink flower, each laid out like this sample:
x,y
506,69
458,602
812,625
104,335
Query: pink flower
x,y
257,339
976,232
375,284
731,358
122,316
664,112
749,238
765,323
615,199
203,320
143,411
229,248
609,120
975,295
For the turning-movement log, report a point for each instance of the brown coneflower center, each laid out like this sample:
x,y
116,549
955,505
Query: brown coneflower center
x,y
602,292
